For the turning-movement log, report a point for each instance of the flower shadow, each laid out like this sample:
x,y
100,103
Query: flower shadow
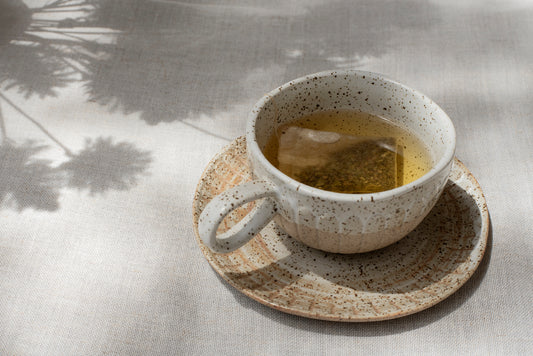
x,y
31,63
30,182
27,181
154,58
103,165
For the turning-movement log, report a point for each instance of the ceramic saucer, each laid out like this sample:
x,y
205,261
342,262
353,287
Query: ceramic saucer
x,y
422,269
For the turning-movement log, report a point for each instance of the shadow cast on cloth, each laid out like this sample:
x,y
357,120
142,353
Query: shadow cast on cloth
x,y
39,55
171,59
458,226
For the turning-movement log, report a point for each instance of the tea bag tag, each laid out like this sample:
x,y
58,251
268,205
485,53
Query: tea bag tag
x,y
301,147
320,136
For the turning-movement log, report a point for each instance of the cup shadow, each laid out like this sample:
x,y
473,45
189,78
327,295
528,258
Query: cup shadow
x,y
375,328
439,247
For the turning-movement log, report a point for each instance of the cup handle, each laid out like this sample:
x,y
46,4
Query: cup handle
x,y
248,227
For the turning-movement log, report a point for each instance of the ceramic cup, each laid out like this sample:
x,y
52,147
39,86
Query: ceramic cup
x,y
329,221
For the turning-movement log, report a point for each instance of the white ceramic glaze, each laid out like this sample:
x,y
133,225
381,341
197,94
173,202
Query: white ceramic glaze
x,y
335,222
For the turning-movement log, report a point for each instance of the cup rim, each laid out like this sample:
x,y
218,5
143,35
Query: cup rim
x,y
304,189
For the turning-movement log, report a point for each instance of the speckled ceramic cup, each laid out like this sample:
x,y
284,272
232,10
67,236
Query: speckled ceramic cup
x,y
329,221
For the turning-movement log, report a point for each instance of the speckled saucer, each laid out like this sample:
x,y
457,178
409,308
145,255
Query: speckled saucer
x,y
417,272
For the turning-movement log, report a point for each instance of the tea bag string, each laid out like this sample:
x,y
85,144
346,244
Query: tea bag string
x,y
276,115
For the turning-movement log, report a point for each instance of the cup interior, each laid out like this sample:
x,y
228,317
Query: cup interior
x,y
358,91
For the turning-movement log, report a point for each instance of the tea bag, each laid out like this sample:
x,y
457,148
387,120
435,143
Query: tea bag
x,y
340,162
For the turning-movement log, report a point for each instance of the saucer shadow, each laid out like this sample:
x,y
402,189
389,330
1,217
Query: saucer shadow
x,y
439,246
374,328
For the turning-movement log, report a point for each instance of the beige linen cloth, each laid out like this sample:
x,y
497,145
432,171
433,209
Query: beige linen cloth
x,y
110,111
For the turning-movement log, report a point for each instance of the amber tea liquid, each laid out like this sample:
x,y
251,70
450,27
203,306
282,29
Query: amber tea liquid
x,y
374,154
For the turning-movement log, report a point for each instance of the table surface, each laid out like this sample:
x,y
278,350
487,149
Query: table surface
x,y
110,111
